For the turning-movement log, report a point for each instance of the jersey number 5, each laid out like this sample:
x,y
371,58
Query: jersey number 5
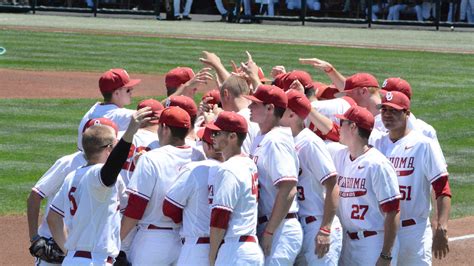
x,y
359,211
70,195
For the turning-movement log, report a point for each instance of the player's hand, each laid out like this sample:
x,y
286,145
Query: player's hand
x,y
277,70
267,240
323,242
383,262
317,63
250,67
204,106
202,77
138,119
210,59
440,243
296,85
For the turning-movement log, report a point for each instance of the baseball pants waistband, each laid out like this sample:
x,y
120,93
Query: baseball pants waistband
x,y
154,227
361,234
308,220
199,240
264,219
244,238
408,222
88,255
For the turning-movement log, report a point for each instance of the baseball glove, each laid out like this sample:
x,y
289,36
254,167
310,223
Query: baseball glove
x,y
47,250
121,260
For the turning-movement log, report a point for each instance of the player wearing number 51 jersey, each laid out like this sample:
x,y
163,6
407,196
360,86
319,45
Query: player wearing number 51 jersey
x,y
234,208
420,165
368,194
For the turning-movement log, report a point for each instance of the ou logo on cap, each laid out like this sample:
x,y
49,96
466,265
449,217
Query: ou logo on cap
x,y
384,83
389,96
97,122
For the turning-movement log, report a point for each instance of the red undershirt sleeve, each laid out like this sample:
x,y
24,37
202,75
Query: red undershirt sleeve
x,y
220,218
136,207
172,211
393,205
441,187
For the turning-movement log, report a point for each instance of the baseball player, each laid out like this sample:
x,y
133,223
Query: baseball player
x,y
317,189
274,153
89,200
187,202
154,174
116,88
46,187
183,81
420,165
234,213
144,140
369,198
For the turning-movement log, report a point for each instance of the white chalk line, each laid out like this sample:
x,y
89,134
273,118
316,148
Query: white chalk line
x,y
451,239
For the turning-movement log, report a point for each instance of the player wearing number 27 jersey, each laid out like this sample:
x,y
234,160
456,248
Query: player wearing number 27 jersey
x,y
368,194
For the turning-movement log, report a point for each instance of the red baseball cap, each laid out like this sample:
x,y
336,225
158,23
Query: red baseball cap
x,y
267,94
214,94
230,122
101,121
358,80
360,116
397,84
177,76
298,103
156,108
284,80
325,92
205,134
396,100
115,79
175,116
184,102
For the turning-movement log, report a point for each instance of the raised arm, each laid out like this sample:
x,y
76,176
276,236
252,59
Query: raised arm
x,y
337,78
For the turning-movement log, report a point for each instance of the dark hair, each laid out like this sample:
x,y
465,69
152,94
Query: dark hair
x,y
241,138
170,91
278,111
363,133
107,96
179,132
309,92
193,120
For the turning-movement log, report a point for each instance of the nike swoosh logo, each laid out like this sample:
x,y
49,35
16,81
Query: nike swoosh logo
x,y
408,147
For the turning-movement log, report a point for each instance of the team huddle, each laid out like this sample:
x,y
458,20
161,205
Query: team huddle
x,y
281,171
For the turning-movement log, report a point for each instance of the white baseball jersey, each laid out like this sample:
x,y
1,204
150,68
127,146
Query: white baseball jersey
x,y
190,193
121,117
253,130
198,152
329,108
316,166
156,171
144,140
50,183
276,159
364,184
418,163
91,211
237,191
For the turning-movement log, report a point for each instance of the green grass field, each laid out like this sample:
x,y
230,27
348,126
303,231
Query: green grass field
x,y
34,133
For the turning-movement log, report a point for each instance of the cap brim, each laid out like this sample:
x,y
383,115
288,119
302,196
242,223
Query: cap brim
x,y
213,127
395,106
341,94
200,132
253,98
341,117
132,83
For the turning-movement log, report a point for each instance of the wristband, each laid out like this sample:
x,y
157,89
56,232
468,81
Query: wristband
x,y
268,233
34,238
385,256
331,69
325,231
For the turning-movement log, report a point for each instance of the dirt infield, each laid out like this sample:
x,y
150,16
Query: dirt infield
x,y
14,242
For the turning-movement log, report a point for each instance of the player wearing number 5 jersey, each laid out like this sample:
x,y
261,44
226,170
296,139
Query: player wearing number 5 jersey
x,y
317,189
368,197
234,208
420,165
274,153
90,198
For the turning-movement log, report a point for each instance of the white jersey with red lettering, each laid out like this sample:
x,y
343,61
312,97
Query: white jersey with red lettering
x,y
276,159
236,191
91,212
253,130
50,183
190,193
121,117
143,141
418,164
364,184
316,166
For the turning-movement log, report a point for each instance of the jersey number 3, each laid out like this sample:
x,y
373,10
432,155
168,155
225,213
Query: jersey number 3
x,y
70,195
359,211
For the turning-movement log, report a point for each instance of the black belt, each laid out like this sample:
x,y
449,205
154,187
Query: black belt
x,y
159,228
264,219
88,255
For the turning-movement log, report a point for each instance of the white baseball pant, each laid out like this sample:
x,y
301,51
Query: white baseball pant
x,y
194,253
235,252
77,258
415,243
155,247
307,255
